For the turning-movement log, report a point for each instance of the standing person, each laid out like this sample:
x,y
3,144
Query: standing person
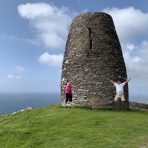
x,y
120,89
68,92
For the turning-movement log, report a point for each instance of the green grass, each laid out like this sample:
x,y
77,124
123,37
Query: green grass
x,y
58,127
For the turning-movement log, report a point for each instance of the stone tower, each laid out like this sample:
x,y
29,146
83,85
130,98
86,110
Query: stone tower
x,y
93,56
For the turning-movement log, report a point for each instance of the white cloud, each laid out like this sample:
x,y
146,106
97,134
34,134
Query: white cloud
x,y
10,76
32,11
137,59
131,46
51,59
50,22
19,69
130,23
14,77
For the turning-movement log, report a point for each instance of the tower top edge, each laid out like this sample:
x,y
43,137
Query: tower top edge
x,y
91,15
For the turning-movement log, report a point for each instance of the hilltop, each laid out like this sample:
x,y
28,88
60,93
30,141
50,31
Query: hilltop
x,y
58,127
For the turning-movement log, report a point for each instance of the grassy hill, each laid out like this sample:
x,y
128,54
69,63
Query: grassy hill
x,y
58,127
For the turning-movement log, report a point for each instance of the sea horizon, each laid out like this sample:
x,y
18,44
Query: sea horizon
x,y
14,101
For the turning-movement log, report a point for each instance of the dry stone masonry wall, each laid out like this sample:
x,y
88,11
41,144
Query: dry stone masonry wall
x,y
92,56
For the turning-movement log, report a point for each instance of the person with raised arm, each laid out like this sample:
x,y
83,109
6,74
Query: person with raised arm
x,y
68,92
120,89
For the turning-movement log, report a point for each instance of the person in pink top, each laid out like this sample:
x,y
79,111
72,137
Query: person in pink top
x,y
68,92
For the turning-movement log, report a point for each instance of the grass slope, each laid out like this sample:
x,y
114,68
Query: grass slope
x,y
58,127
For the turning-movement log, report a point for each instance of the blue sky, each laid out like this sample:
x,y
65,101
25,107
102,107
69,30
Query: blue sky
x,y
33,35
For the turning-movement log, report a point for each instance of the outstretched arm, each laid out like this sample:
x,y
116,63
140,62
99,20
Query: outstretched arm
x,y
112,81
127,80
76,85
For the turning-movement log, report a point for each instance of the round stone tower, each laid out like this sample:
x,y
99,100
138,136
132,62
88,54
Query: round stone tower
x,y
93,56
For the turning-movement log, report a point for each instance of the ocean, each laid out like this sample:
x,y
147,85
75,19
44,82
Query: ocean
x,y
138,98
12,102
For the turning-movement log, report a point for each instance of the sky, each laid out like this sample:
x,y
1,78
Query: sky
x,y
33,35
